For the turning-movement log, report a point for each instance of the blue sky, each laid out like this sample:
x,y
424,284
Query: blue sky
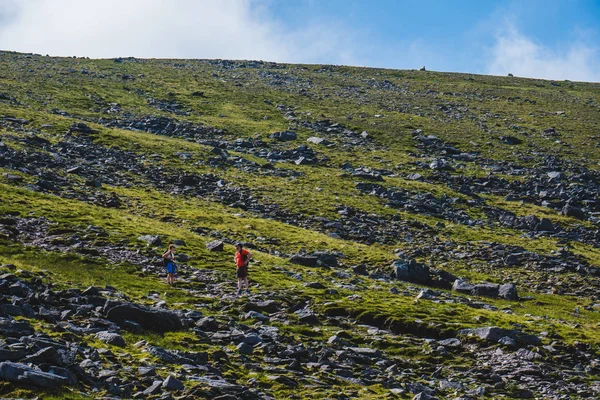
x,y
450,35
554,39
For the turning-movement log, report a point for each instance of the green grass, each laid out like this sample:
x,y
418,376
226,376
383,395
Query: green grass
x,y
241,102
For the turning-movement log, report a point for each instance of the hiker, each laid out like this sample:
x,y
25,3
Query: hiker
x,y
242,257
169,263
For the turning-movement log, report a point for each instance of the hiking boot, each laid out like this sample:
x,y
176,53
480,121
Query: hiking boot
x,y
247,292
239,292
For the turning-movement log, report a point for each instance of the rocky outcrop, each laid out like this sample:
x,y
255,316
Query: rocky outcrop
x,y
151,319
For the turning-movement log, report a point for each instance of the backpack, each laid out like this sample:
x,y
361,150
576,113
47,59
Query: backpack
x,y
245,258
166,262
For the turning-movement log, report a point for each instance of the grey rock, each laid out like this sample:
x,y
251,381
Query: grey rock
x,y
283,136
513,259
11,355
508,291
152,240
494,334
251,339
24,374
47,354
245,348
441,164
486,289
256,315
508,341
427,294
510,140
305,316
269,306
172,383
451,342
424,396
554,175
546,225
11,328
151,319
366,351
147,371
575,212
208,324
462,286
411,271
451,385
284,380
306,260
155,388
215,245
111,338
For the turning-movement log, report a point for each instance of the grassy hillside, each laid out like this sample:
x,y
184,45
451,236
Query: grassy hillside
x,y
394,218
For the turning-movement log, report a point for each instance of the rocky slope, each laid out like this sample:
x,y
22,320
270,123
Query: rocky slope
x,y
415,234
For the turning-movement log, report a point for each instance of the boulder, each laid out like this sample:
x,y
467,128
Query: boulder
x,y
326,260
111,338
245,348
571,211
411,271
215,245
153,389
508,291
512,259
11,355
494,334
368,175
486,289
427,294
360,269
511,140
24,374
545,225
462,286
269,306
151,319
306,260
152,240
305,316
172,383
284,136
45,355
451,342
441,165
209,324
256,315
11,328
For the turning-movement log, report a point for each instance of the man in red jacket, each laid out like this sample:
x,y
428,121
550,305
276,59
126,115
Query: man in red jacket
x,y
242,257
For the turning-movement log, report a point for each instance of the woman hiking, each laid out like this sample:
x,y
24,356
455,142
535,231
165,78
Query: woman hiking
x,y
169,262
242,257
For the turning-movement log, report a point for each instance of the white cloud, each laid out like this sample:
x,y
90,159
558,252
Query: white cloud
x,y
517,54
231,29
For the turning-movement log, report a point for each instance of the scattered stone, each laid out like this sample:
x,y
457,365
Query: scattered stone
x,y
152,240
215,245
172,383
411,271
24,374
508,291
283,136
151,319
245,348
111,338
